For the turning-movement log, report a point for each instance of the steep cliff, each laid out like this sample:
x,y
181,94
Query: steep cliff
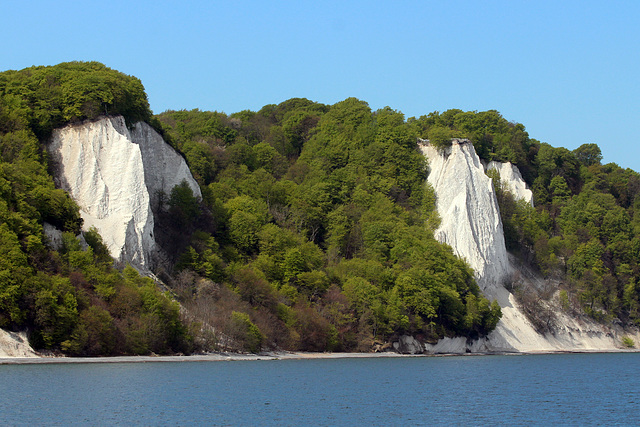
x,y
468,207
471,225
116,174
510,174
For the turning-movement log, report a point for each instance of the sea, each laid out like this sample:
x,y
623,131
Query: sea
x,y
552,389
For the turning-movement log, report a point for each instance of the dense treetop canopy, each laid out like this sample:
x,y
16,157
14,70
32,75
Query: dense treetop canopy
x,y
43,98
323,224
351,181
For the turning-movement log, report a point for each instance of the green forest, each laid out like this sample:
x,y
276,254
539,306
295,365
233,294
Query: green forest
x,y
315,231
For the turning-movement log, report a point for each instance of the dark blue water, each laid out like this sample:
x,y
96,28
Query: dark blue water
x,y
575,389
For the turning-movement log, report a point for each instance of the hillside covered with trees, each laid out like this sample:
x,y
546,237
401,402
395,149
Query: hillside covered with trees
x,y
323,228
584,232
315,231
349,182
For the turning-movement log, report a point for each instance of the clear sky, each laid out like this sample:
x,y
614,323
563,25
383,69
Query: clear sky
x,y
568,70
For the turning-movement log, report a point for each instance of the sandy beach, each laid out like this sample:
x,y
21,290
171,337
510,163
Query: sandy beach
x,y
211,357
222,357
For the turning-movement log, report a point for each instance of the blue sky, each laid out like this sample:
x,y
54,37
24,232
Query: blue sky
x,y
567,70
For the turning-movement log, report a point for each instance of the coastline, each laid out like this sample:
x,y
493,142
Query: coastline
x,y
273,356
210,357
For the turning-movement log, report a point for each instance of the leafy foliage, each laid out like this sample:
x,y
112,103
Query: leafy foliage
x,y
583,231
43,98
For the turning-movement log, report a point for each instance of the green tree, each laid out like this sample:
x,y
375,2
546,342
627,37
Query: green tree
x,y
248,216
588,154
246,333
440,137
184,206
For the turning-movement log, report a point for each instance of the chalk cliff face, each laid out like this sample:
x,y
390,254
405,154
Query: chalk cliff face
x,y
468,208
115,175
471,225
510,174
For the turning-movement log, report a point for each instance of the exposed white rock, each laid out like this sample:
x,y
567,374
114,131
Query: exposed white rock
x,y
467,205
114,174
514,332
15,345
510,175
471,225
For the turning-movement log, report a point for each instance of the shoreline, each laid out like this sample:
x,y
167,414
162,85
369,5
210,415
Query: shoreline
x,y
275,356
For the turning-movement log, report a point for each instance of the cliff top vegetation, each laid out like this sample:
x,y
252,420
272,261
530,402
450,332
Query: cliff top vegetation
x,y
42,98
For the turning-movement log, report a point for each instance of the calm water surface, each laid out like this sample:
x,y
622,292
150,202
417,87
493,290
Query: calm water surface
x,y
572,389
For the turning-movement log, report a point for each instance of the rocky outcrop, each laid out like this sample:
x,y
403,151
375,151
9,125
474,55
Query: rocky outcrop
x,y
510,175
407,344
53,236
115,174
163,167
471,225
455,345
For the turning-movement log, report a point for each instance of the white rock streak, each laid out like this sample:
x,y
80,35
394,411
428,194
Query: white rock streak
x,y
114,174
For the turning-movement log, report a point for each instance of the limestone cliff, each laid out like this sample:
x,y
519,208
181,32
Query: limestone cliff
x,y
115,174
510,175
471,225
468,207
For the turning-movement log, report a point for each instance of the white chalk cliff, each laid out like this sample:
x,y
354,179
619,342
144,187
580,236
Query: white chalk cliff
x,y
115,175
510,175
467,204
471,225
